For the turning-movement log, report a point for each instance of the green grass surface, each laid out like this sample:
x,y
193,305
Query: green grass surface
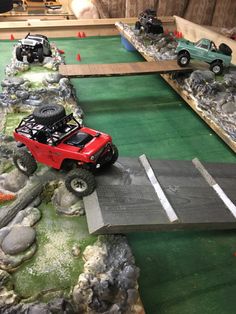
x,y
181,272
53,268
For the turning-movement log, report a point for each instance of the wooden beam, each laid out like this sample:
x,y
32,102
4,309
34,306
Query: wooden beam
x,y
116,69
67,28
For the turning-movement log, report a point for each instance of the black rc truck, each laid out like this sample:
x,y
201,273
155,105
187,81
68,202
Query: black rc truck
x,y
149,22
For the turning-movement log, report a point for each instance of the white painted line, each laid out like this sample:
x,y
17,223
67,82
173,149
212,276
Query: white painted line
x,y
211,181
158,189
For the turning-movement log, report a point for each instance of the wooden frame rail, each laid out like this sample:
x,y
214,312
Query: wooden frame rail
x,y
68,28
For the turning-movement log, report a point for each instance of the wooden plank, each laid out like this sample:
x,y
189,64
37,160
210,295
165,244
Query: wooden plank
x,y
65,28
125,201
194,32
189,99
114,69
211,181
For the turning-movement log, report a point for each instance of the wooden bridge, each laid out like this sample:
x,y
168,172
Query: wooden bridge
x,y
162,195
117,69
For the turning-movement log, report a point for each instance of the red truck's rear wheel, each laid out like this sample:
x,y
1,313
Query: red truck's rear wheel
x,y
80,182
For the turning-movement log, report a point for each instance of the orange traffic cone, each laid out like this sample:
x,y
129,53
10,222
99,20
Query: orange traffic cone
x,y
83,35
78,58
12,37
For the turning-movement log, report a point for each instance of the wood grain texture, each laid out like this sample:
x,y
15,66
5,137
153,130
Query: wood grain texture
x,y
114,69
126,201
170,7
115,8
224,14
200,12
134,7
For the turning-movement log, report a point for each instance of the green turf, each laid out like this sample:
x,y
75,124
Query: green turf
x,y
181,272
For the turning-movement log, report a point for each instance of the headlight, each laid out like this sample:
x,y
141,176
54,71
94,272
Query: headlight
x,y
92,157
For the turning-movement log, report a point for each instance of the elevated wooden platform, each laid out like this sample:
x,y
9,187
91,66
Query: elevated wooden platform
x,y
125,200
115,69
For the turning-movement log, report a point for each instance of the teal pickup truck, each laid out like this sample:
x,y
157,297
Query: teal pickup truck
x,y
204,50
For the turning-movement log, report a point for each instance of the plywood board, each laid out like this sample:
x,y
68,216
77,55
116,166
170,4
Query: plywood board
x,y
125,200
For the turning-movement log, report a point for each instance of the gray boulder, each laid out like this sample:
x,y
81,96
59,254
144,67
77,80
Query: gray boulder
x,y
229,108
18,240
53,78
15,181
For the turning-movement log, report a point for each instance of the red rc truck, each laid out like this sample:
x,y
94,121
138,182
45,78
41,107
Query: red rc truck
x,y
55,139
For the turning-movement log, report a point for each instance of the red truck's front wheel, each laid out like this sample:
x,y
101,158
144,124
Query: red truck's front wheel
x,y
80,182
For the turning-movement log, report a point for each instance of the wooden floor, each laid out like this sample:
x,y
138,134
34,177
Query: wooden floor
x,y
126,201
115,69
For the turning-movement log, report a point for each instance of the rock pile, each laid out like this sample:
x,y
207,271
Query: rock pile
x,y
216,98
159,47
109,282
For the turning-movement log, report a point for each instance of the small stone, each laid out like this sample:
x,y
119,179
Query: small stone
x,y
229,107
7,297
15,181
53,78
132,296
5,278
18,240
39,309
22,94
76,250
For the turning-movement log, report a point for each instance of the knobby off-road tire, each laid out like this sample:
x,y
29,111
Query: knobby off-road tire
x,y
183,59
19,56
48,114
137,25
225,49
217,67
40,54
115,155
30,58
80,182
24,161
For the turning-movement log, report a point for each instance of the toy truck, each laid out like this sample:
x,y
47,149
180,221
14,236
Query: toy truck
x,y
51,137
34,47
204,50
149,22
